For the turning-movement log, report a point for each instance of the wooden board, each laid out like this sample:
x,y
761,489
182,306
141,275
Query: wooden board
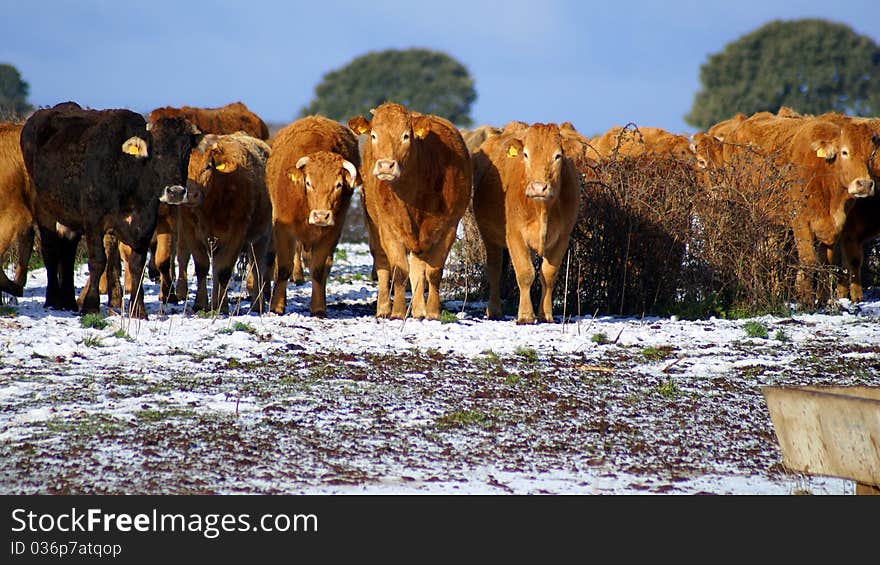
x,y
830,431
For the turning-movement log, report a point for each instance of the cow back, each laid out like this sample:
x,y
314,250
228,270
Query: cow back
x,y
222,120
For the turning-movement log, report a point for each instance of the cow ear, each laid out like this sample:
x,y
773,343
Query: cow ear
x,y
135,146
206,142
824,149
359,125
225,166
220,159
514,147
295,175
352,172
421,126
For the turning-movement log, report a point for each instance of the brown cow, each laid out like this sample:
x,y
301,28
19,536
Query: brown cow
x,y
640,140
234,217
417,186
829,164
17,201
473,138
532,180
311,176
225,119
862,221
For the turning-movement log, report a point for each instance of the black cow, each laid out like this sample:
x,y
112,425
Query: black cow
x,y
97,173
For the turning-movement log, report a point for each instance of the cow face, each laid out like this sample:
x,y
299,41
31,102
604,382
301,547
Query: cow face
x,y
168,145
393,133
215,156
540,151
328,181
846,151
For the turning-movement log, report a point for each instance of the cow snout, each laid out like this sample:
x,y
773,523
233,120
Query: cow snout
x,y
386,169
538,190
861,188
321,218
173,195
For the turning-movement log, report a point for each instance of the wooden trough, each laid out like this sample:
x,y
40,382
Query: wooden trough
x,y
830,431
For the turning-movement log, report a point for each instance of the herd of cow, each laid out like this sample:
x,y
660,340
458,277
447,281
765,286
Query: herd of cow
x,y
210,184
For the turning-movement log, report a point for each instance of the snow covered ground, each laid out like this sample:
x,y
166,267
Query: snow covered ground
x,y
349,404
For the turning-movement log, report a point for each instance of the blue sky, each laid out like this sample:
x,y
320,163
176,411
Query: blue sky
x,y
596,64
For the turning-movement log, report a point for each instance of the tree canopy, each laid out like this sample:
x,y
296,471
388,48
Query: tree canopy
x,y
811,65
426,81
13,94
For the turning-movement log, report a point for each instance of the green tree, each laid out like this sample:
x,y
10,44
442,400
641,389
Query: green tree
x,y
811,65
430,82
13,94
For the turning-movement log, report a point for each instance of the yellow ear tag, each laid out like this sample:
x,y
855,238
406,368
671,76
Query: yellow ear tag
x,y
420,133
512,151
132,149
821,153
221,167
293,176
362,129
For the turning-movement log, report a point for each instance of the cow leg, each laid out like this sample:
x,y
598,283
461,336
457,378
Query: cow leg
x,y
521,257
258,253
298,275
549,271
494,255
807,262
202,264
850,284
162,257
417,284
114,250
383,278
320,263
66,270
433,266
8,237
50,249
182,286
399,271
91,302
284,264
23,244
223,262
137,263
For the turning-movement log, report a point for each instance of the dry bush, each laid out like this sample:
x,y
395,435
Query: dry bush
x,y
743,236
654,237
628,246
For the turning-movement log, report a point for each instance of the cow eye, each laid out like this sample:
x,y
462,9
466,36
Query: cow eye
x,y
373,136
338,185
308,184
525,155
844,153
557,157
406,137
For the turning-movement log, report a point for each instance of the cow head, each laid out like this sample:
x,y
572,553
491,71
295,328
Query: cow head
x,y
539,148
216,156
844,150
167,147
708,149
328,181
393,133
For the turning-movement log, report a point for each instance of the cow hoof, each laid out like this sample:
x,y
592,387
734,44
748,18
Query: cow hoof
x,y
321,314
525,321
